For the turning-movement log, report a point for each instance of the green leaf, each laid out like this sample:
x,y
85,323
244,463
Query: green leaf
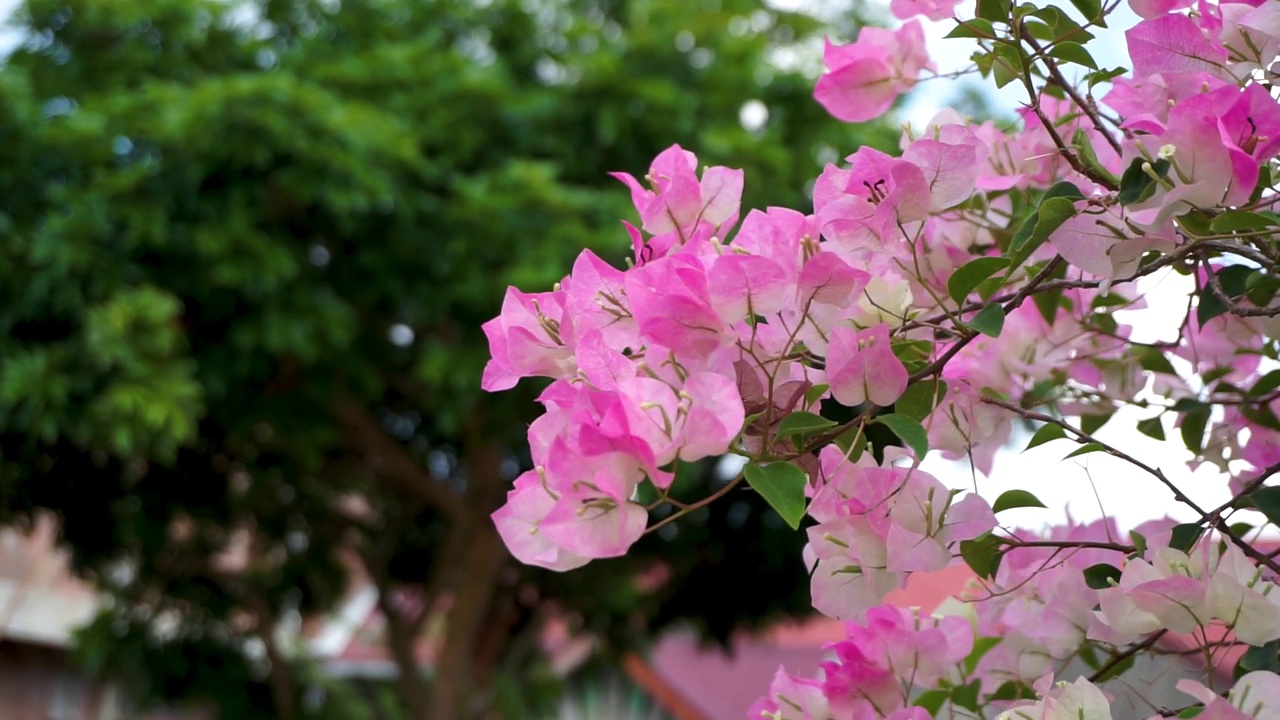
x,y
1073,52
1101,76
1185,536
1064,27
1234,280
813,394
1152,359
852,443
982,554
1116,670
1091,10
1267,500
1188,405
1013,690
781,485
1086,449
920,398
1139,542
1056,206
1260,657
909,430
1260,288
966,696
1101,576
1190,712
971,274
975,28
1152,427
1233,220
1083,146
1047,432
1091,422
1010,499
932,701
1192,430
1265,384
981,646
996,11
988,321
1006,65
802,423
1136,185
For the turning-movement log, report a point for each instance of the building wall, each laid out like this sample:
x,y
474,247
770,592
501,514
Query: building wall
x,y
36,683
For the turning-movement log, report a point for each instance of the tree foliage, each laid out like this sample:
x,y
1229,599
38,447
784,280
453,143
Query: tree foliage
x,y
246,252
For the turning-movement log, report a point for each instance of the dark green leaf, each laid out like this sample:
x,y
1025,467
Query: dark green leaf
x,y
1261,657
932,700
1101,576
1261,288
1136,185
982,554
1153,359
1013,690
1234,281
1101,76
1057,205
1152,427
802,423
981,646
1192,430
988,321
909,430
812,395
782,486
1117,670
1086,449
996,11
1046,433
1267,500
920,398
852,443
1091,422
1010,499
1091,10
1139,542
1265,384
1073,52
1233,220
968,276
966,696
975,28
1184,536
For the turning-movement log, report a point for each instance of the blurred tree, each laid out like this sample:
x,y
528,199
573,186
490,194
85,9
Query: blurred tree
x,y
245,250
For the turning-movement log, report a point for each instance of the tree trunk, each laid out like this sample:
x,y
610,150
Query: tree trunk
x,y
402,637
473,576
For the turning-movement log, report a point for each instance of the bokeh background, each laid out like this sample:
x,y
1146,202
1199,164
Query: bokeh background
x,y
245,250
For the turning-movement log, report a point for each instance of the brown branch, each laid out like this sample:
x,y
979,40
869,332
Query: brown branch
x,y
1084,437
1132,650
389,459
1088,108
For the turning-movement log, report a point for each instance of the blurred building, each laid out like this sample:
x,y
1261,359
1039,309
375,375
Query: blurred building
x,y
41,605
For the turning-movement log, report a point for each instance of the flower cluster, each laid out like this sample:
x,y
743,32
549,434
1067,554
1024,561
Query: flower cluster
x,y
872,671
931,299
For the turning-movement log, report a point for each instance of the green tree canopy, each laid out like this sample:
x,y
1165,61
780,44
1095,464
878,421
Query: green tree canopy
x,y
246,251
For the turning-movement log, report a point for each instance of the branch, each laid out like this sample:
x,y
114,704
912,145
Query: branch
x,y
389,459
1054,72
1084,437
1132,650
